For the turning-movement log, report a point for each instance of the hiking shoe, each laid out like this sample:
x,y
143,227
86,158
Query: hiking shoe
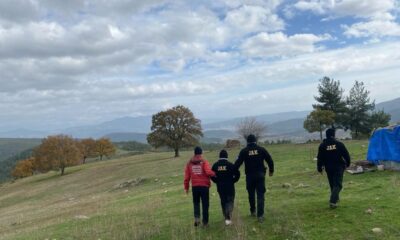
x,y
196,222
260,219
333,205
205,225
253,214
228,222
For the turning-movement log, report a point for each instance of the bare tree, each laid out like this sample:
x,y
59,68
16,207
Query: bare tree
x,y
250,125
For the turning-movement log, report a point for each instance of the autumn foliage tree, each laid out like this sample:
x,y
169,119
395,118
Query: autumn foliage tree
x,y
57,153
175,128
104,147
87,147
318,120
24,168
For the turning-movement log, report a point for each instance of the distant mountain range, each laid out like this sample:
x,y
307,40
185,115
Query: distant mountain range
x,y
265,118
127,136
286,125
392,107
119,125
23,133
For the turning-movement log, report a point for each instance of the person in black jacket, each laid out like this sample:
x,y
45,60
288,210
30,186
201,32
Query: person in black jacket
x,y
334,157
253,157
226,177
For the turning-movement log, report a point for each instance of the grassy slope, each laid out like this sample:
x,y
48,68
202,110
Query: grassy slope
x,y
45,206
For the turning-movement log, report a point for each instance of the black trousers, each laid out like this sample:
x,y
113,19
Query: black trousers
x,y
256,184
227,196
201,193
335,178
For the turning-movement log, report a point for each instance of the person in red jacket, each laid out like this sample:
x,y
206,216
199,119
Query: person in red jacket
x,y
198,172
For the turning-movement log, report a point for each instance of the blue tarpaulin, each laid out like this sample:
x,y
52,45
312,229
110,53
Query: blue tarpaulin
x,y
384,145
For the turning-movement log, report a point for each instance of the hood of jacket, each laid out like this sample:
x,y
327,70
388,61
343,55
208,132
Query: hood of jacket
x,y
197,159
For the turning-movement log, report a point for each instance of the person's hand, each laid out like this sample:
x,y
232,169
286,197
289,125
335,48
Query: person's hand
x,y
320,171
187,192
271,174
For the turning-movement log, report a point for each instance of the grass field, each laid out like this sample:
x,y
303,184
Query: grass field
x,y
84,204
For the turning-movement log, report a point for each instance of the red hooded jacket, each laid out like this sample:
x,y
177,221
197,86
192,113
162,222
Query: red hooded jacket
x,y
199,172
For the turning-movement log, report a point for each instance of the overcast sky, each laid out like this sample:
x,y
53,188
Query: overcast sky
x,y
76,62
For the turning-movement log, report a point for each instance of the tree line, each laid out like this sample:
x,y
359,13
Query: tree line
x,y
61,151
355,112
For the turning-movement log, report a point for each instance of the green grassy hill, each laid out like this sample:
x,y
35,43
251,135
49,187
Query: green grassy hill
x,y
84,204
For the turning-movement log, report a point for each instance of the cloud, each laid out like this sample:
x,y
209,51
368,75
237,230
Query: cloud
x,y
83,61
70,43
375,19
313,6
19,10
279,44
283,85
365,9
254,19
375,29
362,9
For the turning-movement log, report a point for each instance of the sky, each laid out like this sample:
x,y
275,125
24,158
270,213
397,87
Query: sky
x,y
80,62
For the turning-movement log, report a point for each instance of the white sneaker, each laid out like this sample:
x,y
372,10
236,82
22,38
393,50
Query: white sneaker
x,y
228,222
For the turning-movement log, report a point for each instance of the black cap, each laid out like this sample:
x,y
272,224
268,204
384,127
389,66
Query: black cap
x,y
251,138
330,133
223,154
198,150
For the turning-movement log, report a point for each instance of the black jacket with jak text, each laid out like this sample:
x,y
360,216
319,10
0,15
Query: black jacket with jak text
x,y
253,157
225,174
332,155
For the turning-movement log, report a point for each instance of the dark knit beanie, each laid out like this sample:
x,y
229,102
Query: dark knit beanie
x,y
251,139
198,150
223,154
330,133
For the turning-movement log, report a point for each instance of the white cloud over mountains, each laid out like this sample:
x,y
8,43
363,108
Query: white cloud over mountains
x,y
78,61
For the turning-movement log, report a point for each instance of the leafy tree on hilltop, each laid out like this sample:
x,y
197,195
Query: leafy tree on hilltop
x,y
318,120
175,128
104,147
331,98
24,168
87,147
56,153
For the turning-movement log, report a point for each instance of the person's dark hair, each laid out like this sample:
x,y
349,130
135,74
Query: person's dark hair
x,y
198,150
330,133
251,138
223,154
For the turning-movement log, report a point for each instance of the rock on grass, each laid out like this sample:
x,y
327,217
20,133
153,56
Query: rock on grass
x,y
377,230
81,217
286,185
